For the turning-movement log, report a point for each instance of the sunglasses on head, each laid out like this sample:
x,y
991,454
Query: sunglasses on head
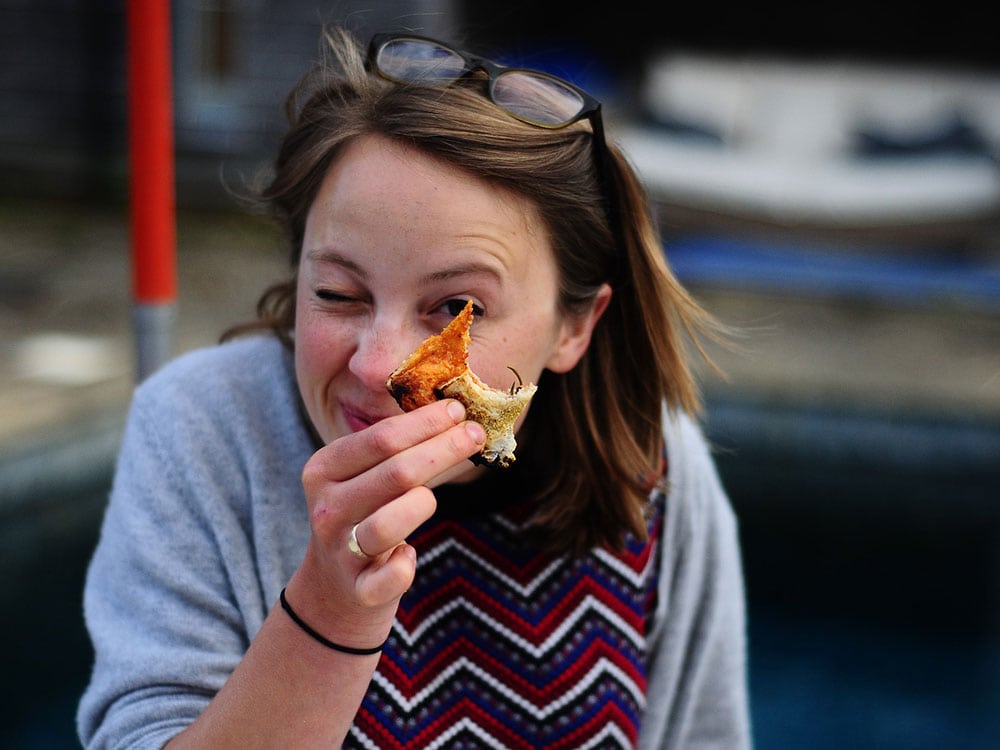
x,y
530,96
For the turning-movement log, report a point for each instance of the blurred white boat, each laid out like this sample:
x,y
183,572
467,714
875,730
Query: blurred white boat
x,y
836,145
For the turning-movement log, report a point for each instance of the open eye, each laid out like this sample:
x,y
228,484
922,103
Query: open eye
x,y
454,306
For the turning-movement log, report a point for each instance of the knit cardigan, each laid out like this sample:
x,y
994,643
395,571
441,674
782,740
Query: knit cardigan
x,y
207,522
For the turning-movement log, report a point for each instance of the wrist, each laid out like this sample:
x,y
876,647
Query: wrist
x,y
323,640
334,614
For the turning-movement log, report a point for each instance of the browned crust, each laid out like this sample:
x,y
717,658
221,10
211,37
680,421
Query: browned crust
x,y
438,368
437,360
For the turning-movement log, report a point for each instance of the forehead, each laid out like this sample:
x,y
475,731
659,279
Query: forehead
x,y
401,182
380,195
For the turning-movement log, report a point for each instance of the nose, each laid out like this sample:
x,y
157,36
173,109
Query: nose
x,y
380,349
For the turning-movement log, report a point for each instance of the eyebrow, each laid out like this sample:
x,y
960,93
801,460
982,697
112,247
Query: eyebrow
x,y
468,269
332,257
328,255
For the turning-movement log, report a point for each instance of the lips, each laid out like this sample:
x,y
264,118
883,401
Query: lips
x,y
359,418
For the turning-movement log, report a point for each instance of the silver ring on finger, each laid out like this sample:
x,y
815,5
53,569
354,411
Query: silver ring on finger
x,y
353,546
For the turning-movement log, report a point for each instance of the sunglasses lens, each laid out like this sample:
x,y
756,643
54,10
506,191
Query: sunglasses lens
x,y
537,98
414,60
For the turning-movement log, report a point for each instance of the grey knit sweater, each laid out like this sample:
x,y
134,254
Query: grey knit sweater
x,y
207,521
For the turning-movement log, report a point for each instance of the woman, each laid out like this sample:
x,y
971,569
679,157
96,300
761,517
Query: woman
x,y
288,560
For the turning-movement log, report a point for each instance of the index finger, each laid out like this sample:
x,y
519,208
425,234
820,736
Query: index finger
x,y
353,454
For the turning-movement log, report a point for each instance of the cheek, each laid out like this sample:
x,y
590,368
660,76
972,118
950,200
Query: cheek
x,y
525,349
319,352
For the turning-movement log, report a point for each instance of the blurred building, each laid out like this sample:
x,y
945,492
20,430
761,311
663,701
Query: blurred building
x,y
63,85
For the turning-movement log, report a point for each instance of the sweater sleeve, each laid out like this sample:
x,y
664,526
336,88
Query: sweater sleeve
x,y
175,591
697,691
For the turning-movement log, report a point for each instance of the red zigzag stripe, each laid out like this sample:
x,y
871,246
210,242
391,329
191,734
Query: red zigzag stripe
x,y
536,633
539,695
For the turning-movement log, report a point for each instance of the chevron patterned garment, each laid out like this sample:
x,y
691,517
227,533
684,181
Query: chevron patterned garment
x,y
501,645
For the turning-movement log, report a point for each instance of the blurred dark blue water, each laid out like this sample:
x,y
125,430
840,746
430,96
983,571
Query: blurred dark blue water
x,y
826,686
872,555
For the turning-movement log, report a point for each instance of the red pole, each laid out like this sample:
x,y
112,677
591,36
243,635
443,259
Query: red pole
x,y
152,188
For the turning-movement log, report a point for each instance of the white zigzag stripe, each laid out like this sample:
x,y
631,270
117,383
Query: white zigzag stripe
x,y
473,727
464,724
510,524
608,731
636,578
587,604
363,738
427,557
622,568
463,664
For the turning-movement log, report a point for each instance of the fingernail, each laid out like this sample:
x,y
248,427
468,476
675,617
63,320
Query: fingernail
x,y
475,431
456,411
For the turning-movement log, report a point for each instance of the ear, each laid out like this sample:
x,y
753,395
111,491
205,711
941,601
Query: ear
x,y
574,337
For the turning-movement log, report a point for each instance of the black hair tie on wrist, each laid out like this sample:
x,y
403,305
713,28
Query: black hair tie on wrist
x,y
320,639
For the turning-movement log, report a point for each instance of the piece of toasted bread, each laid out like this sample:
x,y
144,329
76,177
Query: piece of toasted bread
x,y
439,368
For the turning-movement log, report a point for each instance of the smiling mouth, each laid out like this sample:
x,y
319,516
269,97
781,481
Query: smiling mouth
x,y
358,420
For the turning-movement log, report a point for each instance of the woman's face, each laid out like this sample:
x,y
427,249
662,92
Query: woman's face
x,y
395,243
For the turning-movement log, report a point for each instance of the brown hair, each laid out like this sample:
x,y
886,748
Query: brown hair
x,y
599,425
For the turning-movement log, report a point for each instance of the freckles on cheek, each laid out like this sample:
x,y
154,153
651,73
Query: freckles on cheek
x,y
315,349
307,338
306,342
318,355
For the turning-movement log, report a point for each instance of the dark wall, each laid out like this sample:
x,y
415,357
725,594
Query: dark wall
x,y
622,33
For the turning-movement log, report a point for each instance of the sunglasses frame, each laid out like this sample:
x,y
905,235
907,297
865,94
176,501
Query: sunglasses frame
x,y
590,110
